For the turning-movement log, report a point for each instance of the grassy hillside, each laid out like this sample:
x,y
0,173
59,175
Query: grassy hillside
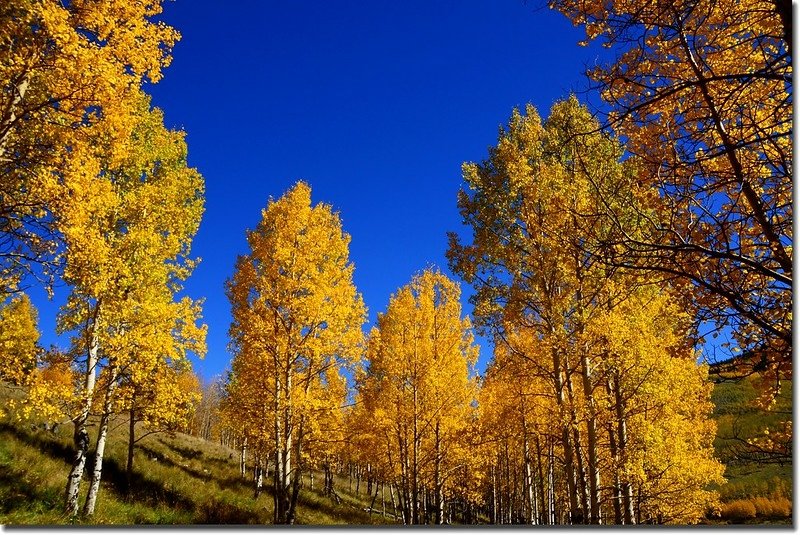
x,y
177,480
184,480
764,485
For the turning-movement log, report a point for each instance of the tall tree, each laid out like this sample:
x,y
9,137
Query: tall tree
x,y
702,92
70,73
418,391
536,211
127,227
297,319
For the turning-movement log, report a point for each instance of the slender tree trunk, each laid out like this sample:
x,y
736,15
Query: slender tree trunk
x,y
81,434
372,504
243,459
527,482
298,473
10,116
551,483
438,483
131,443
278,479
493,503
591,440
616,491
622,443
569,470
544,514
97,469
394,504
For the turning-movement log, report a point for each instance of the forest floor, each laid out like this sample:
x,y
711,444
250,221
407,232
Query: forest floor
x,y
180,479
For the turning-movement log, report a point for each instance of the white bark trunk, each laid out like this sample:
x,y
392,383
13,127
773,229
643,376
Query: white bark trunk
x,y
97,470
81,436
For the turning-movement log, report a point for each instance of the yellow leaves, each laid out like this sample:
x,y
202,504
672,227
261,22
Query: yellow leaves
x,y
419,362
75,72
19,337
297,318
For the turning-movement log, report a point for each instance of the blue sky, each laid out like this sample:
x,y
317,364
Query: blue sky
x,y
375,104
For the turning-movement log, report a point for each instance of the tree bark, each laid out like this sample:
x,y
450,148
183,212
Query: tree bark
x,y
10,113
438,480
131,443
97,469
622,442
591,441
243,458
81,434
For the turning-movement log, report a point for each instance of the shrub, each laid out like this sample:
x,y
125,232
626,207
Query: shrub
x,y
738,510
772,507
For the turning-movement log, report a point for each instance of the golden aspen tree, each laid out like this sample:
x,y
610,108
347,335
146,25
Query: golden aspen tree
x,y
517,411
205,417
659,403
702,93
537,217
418,390
19,338
297,320
127,229
70,75
529,264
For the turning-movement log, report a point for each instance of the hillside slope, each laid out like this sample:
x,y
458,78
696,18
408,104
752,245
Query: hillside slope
x,y
177,479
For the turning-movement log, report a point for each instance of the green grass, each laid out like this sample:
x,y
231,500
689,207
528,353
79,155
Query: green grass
x,y
739,418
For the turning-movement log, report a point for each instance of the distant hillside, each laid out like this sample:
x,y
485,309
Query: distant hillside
x,y
762,481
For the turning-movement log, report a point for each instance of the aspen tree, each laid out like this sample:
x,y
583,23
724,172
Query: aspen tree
x,y
536,212
702,93
126,229
418,389
70,74
297,319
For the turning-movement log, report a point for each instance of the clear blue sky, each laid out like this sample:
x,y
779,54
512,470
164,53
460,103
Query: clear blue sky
x,y
375,104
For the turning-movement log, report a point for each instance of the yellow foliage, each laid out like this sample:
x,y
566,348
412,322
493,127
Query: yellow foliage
x,y
416,396
72,73
297,320
18,340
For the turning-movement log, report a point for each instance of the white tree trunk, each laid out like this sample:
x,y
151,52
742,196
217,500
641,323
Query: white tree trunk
x,y
81,435
97,471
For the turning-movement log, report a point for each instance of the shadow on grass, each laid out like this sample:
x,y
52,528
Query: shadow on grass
x,y
47,443
234,482
316,501
143,489
186,453
18,494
